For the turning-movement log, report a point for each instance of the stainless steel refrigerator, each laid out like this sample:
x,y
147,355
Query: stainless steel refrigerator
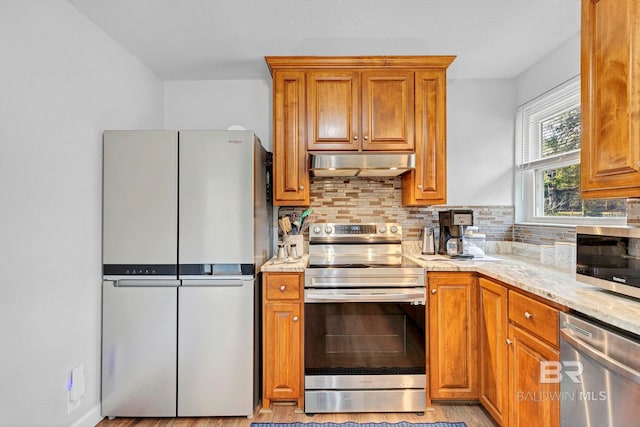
x,y
186,226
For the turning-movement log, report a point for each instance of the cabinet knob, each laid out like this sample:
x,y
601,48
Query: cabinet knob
x,y
295,318
301,187
355,137
366,138
433,291
528,315
508,341
283,287
420,187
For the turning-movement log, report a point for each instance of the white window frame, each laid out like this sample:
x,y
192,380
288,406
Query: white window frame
x,y
528,166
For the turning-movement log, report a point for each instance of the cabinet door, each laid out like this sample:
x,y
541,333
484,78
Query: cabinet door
x,y
282,352
387,110
610,153
290,165
532,402
453,336
333,110
426,185
493,349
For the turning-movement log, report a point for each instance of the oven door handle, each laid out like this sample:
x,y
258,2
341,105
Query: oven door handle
x,y
412,296
605,360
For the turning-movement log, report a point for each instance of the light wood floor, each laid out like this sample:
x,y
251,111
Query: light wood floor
x,y
472,415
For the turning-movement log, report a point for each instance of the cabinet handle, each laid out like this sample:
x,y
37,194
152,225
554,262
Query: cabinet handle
x,y
301,187
355,137
508,341
366,138
295,318
433,291
282,288
420,187
528,315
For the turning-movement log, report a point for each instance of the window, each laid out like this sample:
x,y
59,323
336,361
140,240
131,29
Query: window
x,y
548,162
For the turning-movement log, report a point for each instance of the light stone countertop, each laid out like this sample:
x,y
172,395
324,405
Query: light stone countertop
x,y
529,275
552,284
275,265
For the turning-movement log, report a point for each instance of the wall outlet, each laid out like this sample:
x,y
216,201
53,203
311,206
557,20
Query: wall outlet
x,y
75,388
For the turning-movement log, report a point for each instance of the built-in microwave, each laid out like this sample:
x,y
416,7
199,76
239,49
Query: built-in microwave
x,y
609,257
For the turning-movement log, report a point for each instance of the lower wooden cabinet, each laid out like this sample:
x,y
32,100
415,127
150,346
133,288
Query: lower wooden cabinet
x,y
493,324
282,338
453,336
517,335
531,401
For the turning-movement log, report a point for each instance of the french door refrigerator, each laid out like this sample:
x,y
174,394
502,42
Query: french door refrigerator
x,y
185,227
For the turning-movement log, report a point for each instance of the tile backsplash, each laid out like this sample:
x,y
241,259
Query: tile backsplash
x,y
363,200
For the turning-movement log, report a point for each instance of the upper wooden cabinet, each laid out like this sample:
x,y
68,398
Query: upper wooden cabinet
x,y
368,103
427,184
290,164
368,110
610,74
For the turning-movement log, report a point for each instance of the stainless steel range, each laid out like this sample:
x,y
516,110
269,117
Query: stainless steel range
x,y
364,321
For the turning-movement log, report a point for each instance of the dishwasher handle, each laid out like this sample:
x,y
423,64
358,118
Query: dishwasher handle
x,y
607,361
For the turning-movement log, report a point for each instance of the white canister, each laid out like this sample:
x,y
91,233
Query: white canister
x,y
295,239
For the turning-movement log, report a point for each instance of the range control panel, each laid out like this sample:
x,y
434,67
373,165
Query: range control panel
x,y
355,232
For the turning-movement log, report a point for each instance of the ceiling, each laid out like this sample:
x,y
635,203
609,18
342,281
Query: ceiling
x,y
228,39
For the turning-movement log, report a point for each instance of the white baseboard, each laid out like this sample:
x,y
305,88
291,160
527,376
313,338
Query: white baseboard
x,y
90,419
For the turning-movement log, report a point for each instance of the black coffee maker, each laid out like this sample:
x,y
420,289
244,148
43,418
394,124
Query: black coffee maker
x,y
453,225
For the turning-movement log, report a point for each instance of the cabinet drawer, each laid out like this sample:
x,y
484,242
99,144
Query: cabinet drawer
x,y
534,316
283,286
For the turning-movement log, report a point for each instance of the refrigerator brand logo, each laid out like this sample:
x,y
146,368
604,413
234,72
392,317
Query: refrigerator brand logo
x,y
234,141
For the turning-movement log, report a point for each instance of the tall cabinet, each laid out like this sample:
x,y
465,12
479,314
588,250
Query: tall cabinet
x,y
610,75
372,103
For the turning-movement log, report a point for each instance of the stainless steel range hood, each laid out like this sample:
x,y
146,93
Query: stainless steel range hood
x,y
361,164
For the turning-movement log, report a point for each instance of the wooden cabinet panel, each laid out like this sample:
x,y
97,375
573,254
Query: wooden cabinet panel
x,y
333,110
532,402
453,336
610,151
282,361
282,339
387,110
290,164
492,349
336,120
283,286
534,316
426,185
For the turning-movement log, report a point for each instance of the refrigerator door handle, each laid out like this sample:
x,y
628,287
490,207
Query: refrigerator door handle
x,y
137,283
213,282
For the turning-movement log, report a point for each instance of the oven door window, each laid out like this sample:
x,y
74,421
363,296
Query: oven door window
x,y
364,339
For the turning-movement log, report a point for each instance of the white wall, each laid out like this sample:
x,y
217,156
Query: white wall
x,y
62,82
219,104
557,67
480,126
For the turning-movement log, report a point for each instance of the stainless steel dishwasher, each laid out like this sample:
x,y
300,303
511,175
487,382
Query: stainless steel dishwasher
x,y
600,375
